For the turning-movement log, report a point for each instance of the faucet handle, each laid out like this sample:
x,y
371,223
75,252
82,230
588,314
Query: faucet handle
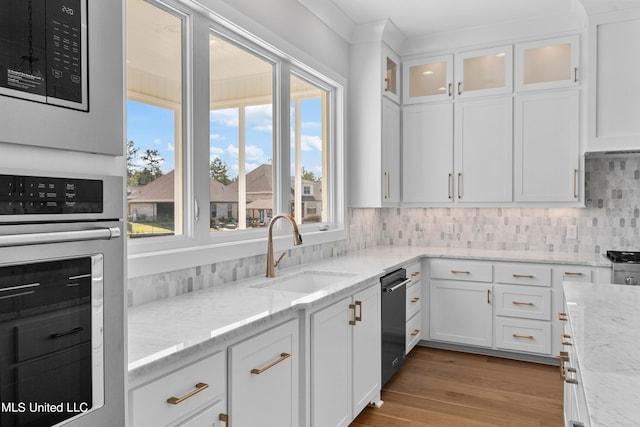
x,y
275,264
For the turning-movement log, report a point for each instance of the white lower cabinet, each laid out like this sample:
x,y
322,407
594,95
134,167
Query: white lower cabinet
x,y
345,358
193,396
263,379
461,312
505,306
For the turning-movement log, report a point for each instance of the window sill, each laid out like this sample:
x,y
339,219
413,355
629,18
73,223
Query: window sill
x,y
148,263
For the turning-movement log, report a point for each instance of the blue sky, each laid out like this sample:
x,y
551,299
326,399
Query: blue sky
x,y
152,128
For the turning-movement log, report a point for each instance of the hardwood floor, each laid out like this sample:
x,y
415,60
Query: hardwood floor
x,y
446,388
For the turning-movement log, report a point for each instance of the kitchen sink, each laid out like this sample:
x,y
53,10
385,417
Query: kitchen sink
x,y
305,282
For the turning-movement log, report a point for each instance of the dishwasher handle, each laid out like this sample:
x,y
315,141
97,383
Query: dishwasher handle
x,y
388,289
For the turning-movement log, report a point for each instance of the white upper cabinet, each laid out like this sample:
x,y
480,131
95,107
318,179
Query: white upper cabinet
x,y
614,87
547,64
484,72
427,153
483,150
391,74
428,79
547,147
390,152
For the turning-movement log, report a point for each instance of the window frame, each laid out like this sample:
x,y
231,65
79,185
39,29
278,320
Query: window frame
x,y
197,245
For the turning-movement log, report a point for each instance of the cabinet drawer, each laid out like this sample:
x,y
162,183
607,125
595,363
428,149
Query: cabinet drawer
x,y
574,274
523,274
532,336
414,272
462,270
414,332
413,299
524,302
149,402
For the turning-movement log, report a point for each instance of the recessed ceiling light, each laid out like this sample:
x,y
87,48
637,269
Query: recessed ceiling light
x,y
427,73
501,55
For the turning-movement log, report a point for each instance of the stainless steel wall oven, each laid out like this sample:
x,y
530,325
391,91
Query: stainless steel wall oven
x,y
61,301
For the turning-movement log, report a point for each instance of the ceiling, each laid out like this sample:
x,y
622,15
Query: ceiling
x,y
418,18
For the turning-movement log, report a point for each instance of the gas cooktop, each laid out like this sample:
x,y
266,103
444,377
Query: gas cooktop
x,y
624,256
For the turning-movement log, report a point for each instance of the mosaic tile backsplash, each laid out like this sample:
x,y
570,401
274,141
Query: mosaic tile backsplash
x,y
609,221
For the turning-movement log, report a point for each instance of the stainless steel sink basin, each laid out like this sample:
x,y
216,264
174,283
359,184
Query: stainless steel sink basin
x,y
305,282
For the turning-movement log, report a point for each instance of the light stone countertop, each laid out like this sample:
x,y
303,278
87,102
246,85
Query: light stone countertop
x,y
164,331
605,330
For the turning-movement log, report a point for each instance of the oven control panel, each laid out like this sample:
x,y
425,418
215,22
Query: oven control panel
x,y
21,194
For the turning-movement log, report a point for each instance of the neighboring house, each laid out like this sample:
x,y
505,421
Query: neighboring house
x,y
155,201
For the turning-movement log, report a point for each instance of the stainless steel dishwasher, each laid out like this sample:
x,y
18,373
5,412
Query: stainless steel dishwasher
x,y
394,291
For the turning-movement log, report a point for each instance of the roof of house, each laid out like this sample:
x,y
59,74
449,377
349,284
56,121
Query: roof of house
x,y
258,183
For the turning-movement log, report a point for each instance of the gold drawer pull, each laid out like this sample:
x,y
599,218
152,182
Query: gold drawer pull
x,y
522,303
416,299
562,316
572,273
415,332
523,276
224,418
566,376
564,357
176,400
358,306
563,338
460,272
415,274
283,356
524,337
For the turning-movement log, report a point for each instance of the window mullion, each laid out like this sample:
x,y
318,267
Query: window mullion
x,y
282,139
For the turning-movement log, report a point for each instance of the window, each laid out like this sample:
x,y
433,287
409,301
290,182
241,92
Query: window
x,y
226,132
309,138
154,120
241,136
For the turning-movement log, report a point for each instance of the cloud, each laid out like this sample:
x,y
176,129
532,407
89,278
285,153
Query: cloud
x,y
157,141
216,151
227,117
217,137
260,118
310,143
171,148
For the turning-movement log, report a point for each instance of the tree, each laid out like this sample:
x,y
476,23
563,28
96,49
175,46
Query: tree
x,y
143,169
309,175
219,171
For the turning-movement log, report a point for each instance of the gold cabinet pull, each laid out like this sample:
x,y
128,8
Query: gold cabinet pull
x,y
449,89
460,272
563,339
524,337
575,74
415,299
176,400
224,418
415,332
358,309
459,88
522,303
572,273
450,184
387,194
415,274
459,185
566,376
488,296
283,356
353,319
564,357
523,276
562,316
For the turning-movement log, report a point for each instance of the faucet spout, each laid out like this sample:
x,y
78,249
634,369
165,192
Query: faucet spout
x,y
297,240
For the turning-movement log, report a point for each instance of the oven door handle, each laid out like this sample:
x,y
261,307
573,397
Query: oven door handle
x,y
59,237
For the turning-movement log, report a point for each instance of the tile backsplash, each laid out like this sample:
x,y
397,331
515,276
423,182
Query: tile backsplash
x,y
609,221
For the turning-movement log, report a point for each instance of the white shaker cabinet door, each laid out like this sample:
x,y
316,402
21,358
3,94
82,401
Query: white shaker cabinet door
x,y
484,150
547,147
427,153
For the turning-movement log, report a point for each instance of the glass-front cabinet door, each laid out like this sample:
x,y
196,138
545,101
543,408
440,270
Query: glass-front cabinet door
x,y
547,64
484,72
427,79
391,74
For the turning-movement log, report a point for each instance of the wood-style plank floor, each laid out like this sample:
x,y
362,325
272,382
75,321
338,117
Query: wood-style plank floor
x,y
446,388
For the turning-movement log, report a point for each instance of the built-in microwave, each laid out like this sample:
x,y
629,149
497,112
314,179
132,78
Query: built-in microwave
x,y
43,51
